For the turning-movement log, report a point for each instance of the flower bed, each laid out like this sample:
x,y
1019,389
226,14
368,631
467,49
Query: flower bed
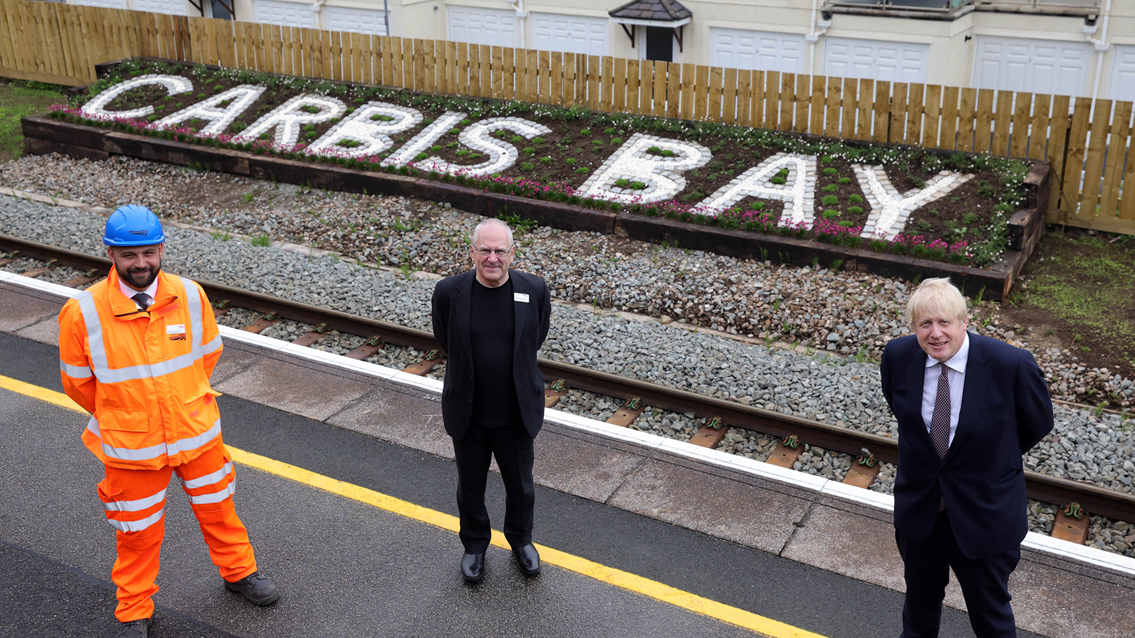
x,y
887,200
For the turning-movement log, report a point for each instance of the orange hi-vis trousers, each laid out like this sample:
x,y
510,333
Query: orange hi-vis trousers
x,y
135,501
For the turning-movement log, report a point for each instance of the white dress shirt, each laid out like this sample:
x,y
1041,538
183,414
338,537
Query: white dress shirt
x,y
130,292
956,375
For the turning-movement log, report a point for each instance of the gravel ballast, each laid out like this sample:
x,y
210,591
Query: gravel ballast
x,y
838,390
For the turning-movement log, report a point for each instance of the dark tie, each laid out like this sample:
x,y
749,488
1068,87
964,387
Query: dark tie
x,y
940,422
144,300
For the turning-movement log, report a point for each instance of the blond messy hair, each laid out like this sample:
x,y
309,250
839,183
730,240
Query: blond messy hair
x,y
937,298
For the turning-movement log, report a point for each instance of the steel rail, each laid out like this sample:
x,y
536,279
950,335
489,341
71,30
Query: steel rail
x,y
1092,498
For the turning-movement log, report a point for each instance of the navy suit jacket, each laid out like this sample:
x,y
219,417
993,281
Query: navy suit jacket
x,y
1005,411
451,317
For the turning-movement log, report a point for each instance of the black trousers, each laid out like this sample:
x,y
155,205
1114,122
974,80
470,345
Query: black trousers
x,y
984,583
513,450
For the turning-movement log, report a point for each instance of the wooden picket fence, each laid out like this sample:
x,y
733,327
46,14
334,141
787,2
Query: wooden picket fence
x,y
1088,148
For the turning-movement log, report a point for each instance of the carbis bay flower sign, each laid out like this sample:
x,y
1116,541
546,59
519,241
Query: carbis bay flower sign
x,y
644,169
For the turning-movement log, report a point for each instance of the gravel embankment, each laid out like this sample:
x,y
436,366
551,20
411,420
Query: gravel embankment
x,y
846,313
841,391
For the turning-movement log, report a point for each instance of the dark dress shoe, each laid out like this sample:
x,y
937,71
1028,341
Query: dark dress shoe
x,y
135,629
473,567
527,559
256,588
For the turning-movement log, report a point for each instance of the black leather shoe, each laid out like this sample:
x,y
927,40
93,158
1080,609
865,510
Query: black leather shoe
x,y
473,567
135,629
256,588
527,559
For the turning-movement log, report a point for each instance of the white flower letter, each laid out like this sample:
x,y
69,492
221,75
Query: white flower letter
x,y
367,127
662,175
424,139
889,210
238,97
755,182
288,118
477,137
97,106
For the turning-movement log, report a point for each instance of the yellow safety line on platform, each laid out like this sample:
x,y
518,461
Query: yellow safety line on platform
x,y
549,556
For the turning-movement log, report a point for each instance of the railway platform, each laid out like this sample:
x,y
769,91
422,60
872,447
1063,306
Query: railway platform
x,y
346,486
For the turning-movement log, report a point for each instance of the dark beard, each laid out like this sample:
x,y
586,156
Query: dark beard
x,y
140,279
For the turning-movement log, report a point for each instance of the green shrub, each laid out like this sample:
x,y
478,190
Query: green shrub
x,y
830,188
571,161
527,166
829,200
855,210
582,171
831,213
844,180
528,150
855,198
831,171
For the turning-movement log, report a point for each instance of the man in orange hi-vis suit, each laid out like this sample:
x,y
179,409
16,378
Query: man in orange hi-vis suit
x,y
136,350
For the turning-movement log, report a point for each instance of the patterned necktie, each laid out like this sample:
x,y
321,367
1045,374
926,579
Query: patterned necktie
x,y
143,300
940,422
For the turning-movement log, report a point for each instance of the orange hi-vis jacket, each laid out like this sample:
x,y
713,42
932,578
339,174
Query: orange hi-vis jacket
x,y
142,374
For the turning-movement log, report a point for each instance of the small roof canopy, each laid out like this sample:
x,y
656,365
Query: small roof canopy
x,y
652,13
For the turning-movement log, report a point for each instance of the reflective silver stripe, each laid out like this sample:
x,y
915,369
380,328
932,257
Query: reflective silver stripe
x,y
208,479
126,454
216,497
193,304
135,506
91,319
155,451
137,526
192,443
75,372
212,346
100,366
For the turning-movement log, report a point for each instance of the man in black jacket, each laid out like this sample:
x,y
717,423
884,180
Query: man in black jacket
x,y
491,321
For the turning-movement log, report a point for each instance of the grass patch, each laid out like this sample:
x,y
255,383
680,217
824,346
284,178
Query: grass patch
x,y
20,99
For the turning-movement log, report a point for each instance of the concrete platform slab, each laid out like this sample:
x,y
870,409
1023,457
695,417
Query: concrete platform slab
x,y
582,464
406,418
293,388
19,311
44,331
728,505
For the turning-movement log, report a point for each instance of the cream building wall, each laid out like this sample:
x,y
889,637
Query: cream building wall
x,y
945,51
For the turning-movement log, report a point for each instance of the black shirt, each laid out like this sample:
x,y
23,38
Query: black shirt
x,y
491,328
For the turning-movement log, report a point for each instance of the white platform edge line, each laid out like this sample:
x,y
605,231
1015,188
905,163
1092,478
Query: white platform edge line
x,y
1038,542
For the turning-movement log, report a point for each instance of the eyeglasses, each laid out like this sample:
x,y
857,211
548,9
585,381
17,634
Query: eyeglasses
x,y
499,252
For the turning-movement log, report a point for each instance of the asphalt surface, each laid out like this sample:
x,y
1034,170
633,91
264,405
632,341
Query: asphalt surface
x,y
349,569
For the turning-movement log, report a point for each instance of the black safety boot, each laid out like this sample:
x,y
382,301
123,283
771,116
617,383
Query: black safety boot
x,y
256,588
135,629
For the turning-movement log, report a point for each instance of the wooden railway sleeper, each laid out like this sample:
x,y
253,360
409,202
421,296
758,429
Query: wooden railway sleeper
x,y
89,276
261,324
367,349
863,471
309,339
554,392
711,434
627,414
421,368
1071,524
221,307
9,258
786,454
36,272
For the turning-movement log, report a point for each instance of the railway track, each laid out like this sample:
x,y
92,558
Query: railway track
x,y
1069,496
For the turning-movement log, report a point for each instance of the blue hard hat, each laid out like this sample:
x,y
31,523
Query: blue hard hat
x,y
133,226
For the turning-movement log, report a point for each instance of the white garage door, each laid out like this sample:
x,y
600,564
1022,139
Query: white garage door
x,y
757,50
876,60
357,20
570,34
1037,66
110,4
288,14
1122,74
496,27
170,7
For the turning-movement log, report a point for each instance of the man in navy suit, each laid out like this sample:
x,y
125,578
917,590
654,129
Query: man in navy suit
x,y
491,321
967,407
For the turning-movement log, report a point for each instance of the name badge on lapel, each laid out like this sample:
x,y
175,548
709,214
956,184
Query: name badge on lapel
x,y
519,296
176,332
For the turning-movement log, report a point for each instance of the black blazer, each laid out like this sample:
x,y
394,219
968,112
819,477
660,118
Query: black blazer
x,y
1005,411
451,316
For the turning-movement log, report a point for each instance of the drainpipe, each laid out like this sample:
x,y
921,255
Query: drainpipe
x,y
520,15
1101,46
819,28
